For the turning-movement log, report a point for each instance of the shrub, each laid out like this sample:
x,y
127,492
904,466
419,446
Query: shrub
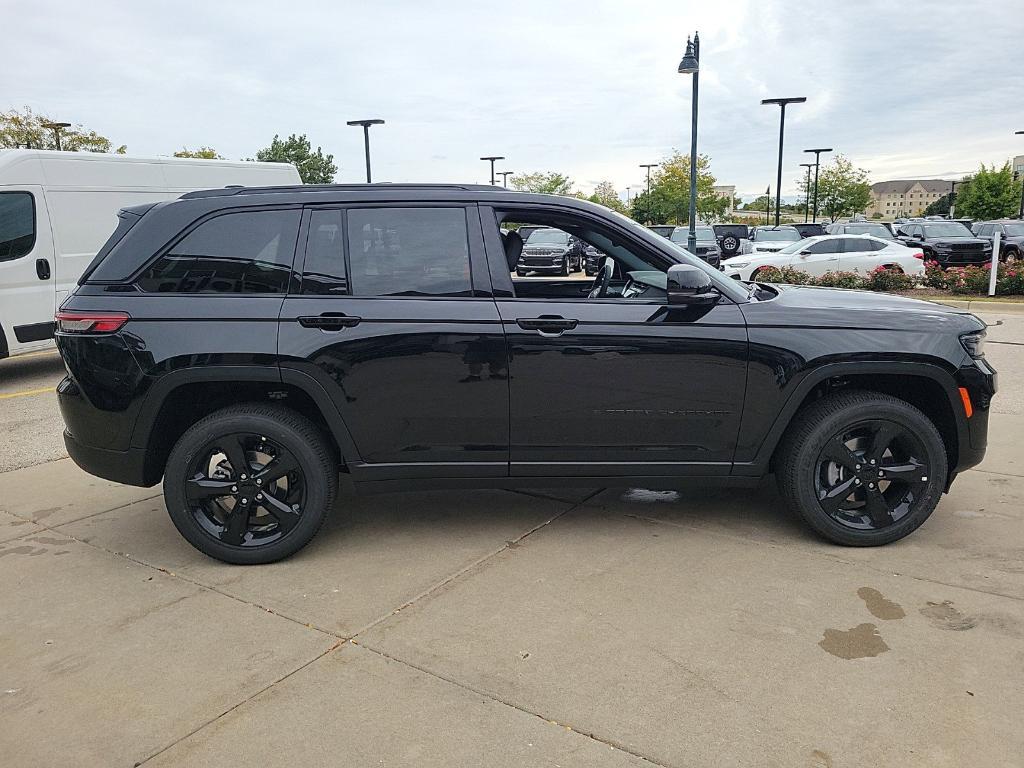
x,y
935,276
970,279
890,280
794,276
840,280
1010,278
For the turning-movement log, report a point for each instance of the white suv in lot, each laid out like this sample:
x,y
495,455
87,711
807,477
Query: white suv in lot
x,y
830,253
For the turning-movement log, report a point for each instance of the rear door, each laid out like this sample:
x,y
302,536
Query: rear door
x,y
819,257
26,270
390,316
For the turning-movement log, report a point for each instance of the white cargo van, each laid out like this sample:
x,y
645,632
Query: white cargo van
x,y
58,208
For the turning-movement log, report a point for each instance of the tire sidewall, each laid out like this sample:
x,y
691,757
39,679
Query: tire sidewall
x,y
806,457
318,487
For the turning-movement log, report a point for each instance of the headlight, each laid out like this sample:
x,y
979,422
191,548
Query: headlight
x,y
974,343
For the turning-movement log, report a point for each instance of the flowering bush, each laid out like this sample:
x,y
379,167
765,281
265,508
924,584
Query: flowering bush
x,y
840,280
882,279
935,276
970,279
1010,278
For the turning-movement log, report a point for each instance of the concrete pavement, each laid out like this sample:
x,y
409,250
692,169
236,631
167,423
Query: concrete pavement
x,y
621,627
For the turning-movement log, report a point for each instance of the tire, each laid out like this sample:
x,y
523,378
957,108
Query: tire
x,y
520,273
799,465
315,477
565,267
730,246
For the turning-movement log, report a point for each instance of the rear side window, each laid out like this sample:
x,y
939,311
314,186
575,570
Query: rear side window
x,y
324,272
246,252
17,224
408,252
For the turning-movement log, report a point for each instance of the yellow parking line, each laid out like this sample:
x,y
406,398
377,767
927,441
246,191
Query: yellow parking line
x,y
40,352
27,392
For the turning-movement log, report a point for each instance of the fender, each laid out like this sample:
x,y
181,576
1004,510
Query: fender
x,y
229,374
3,343
937,373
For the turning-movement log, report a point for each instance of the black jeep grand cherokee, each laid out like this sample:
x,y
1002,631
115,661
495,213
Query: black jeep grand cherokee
x,y
248,345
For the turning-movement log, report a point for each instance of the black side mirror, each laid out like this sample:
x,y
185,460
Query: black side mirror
x,y
690,286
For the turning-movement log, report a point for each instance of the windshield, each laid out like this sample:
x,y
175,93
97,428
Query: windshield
x,y
682,234
777,234
549,236
949,229
797,246
1014,230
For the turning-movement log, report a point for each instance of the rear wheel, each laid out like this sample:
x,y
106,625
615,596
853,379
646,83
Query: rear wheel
x,y
862,468
250,484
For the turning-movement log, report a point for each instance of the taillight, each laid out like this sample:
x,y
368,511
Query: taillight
x,y
90,322
918,255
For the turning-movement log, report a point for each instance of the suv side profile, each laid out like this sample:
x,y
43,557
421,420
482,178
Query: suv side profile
x,y
251,347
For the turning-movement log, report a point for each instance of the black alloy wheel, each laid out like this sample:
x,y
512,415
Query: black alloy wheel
x,y
245,490
869,476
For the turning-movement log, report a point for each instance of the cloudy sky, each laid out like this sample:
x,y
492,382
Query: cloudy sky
x,y
585,87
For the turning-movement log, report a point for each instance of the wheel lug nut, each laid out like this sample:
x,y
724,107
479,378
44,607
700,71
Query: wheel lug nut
x,y
872,461
857,467
259,482
244,476
245,501
924,479
259,495
234,489
881,473
856,482
871,485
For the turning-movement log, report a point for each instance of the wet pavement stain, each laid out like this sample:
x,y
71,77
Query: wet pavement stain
x,y
880,606
861,642
944,616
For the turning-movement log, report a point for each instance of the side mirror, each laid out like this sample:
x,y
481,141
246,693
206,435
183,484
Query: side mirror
x,y
690,286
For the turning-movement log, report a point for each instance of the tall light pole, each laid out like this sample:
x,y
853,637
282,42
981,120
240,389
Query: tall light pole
x,y
1020,213
782,128
627,195
492,158
807,190
817,162
690,65
366,139
56,128
648,166
504,177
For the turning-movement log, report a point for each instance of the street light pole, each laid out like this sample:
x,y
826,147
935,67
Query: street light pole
x,y
492,158
504,177
782,128
366,139
690,65
56,128
807,190
648,166
817,162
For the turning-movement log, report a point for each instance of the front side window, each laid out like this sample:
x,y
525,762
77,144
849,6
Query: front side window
x,y
17,225
408,252
241,253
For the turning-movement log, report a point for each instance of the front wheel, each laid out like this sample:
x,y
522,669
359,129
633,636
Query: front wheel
x,y
250,484
862,468
565,267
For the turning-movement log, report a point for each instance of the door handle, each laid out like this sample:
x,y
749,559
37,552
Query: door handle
x,y
329,321
549,326
43,269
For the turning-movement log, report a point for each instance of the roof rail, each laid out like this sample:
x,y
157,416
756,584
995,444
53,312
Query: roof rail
x,y
235,190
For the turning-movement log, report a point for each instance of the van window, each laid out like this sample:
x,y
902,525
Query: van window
x,y
17,224
324,273
408,252
244,252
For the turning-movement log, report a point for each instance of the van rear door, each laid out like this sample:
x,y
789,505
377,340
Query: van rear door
x,y
27,270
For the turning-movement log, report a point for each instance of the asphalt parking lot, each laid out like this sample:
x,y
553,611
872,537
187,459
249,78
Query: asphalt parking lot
x,y
559,628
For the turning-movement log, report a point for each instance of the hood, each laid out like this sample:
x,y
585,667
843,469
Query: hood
x,y
956,241
546,247
834,307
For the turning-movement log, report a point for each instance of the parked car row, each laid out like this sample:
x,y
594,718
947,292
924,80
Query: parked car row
x,y
829,253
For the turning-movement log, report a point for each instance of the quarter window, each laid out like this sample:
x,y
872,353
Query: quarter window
x,y
17,225
408,252
244,253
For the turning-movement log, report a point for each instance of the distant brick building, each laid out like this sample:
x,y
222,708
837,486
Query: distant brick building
x,y
905,197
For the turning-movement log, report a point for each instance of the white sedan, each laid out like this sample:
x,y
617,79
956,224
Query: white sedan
x,y
830,253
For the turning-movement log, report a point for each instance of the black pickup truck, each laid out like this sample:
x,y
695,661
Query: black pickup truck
x,y
247,346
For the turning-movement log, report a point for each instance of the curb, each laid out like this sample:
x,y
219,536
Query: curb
x,y
1008,307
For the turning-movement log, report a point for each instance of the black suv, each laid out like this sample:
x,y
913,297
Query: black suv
x,y
730,238
247,346
550,250
706,245
1011,236
949,243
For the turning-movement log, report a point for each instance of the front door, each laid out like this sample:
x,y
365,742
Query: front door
x,y
26,270
388,319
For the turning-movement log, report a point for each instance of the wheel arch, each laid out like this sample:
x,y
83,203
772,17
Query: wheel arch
x,y
179,399
4,351
928,387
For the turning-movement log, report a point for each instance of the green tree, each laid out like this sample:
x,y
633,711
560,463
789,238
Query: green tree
x,y
842,188
938,207
988,194
313,167
18,129
547,183
669,199
605,194
203,153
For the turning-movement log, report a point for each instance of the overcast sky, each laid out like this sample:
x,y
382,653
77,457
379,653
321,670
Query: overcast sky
x,y
588,88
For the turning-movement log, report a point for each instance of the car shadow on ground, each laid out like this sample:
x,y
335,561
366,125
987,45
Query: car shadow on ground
x,y
31,368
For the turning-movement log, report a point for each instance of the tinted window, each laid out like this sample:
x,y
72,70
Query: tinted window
x,y
984,230
324,271
824,246
246,252
950,229
861,244
408,252
777,234
17,225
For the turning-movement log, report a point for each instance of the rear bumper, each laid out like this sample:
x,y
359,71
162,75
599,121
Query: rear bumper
x,y
126,467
